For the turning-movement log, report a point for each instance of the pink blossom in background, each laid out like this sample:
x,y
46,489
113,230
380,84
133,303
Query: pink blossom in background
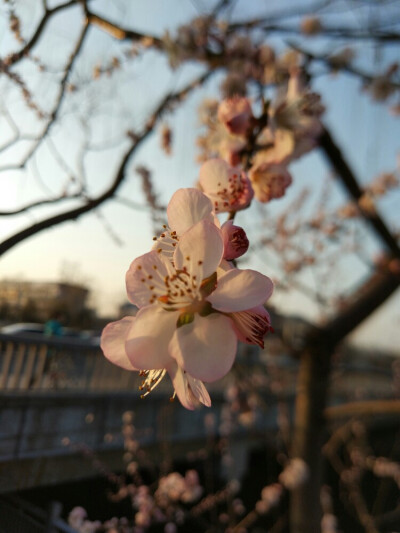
x,y
185,325
269,181
174,487
228,188
236,242
236,114
230,148
294,124
295,474
299,110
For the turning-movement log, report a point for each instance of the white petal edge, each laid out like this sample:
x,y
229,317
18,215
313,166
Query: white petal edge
x,y
214,175
199,390
238,290
147,340
186,208
180,384
113,342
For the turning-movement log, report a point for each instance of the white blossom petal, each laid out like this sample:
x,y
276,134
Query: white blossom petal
x,y
147,340
205,348
186,208
180,384
145,278
199,390
200,250
238,290
215,175
189,390
113,342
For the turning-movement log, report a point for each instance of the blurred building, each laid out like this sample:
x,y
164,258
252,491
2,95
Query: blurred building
x,y
39,301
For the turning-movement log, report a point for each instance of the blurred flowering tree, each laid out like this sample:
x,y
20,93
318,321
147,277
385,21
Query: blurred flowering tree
x,y
74,117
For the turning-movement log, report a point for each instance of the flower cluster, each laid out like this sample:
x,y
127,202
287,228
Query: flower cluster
x,y
285,131
194,304
175,487
163,507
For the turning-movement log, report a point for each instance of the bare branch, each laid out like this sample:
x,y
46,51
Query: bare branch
x,y
348,179
91,204
120,33
331,64
39,203
370,408
17,56
58,102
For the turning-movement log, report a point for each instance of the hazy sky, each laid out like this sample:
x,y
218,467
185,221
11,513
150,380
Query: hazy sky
x,y
366,132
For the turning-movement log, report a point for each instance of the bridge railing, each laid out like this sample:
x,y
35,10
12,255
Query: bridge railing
x,y
33,362
38,363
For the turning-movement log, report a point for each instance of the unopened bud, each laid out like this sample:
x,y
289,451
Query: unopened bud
x,y
236,115
236,242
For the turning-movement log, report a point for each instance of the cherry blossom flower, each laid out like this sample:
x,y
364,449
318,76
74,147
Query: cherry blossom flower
x,y
230,147
294,123
236,242
189,317
236,114
301,109
228,188
219,142
189,206
269,181
170,488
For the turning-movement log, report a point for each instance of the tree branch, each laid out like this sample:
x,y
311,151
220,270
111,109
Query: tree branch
x,y
330,62
120,33
346,175
370,408
17,56
39,203
91,204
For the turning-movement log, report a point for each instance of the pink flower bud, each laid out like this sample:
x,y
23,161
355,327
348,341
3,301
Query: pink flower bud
x,y
236,242
236,115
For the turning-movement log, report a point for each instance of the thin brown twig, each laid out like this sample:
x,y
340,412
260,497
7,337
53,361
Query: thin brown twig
x,y
32,205
13,58
92,203
59,100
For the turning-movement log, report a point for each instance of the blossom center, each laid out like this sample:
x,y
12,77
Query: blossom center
x,y
182,291
228,196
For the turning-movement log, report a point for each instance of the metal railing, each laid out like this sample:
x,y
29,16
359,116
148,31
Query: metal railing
x,y
20,516
33,362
